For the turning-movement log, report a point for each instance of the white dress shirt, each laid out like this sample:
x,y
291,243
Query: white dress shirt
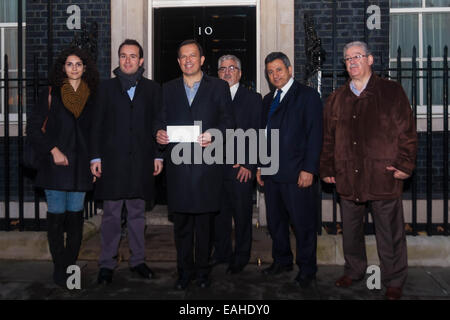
x,y
233,89
285,89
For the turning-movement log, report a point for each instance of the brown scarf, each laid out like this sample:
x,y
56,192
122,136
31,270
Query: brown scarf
x,y
73,100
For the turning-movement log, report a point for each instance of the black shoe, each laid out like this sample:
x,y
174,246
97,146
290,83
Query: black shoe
x,y
60,277
235,268
105,276
182,282
304,281
276,268
203,281
214,262
143,270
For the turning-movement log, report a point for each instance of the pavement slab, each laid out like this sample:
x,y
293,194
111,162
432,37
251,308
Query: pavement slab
x,y
25,280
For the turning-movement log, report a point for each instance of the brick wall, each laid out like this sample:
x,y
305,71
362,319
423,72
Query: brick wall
x,y
36,44
37,35
350,25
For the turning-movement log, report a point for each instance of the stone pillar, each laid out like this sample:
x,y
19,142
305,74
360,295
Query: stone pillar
x,y
148,38
276,34
127,21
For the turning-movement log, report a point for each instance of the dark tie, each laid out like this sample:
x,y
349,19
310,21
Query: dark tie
x,y
275,103
274,106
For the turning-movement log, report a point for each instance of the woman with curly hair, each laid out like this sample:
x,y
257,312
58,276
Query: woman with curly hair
x,y
63,169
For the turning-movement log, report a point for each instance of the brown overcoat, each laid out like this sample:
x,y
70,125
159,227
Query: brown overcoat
x,y
364,135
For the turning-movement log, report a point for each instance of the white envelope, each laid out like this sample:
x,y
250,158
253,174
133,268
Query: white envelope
x,y
183,133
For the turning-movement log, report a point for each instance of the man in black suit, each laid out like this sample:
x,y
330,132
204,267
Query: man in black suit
x,y
124,156
194,190
296,111
237,201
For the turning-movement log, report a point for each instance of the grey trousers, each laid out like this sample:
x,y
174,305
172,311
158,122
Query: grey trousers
x,y
390,239
110,231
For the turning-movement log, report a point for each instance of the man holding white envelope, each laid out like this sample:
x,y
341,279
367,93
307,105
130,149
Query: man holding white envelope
x,y
192,105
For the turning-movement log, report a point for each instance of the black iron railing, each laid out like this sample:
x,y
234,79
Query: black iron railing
x,y
413,74
15,192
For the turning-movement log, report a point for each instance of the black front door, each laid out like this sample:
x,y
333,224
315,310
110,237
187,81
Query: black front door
x,y
220,30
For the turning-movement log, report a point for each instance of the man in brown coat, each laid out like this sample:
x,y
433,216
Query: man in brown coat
x,y
369,148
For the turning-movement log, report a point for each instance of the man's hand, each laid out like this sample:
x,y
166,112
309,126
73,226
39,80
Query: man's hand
x,y
329,180
162,137
96,169
59,158
158,167
305,179
258,178
244,174
400,175
204,139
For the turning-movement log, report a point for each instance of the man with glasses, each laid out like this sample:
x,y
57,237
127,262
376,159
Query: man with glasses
x,y
369,148
237,201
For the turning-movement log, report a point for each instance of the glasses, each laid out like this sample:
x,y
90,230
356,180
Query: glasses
x,y
229,68
354,58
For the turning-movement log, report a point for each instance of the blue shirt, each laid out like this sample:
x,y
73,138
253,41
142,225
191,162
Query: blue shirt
x,y
131,92
191,92
355,91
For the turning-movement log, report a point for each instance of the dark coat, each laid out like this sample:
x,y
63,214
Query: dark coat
x,y
364,135
299,120
123,132
196,188
247,113
70,135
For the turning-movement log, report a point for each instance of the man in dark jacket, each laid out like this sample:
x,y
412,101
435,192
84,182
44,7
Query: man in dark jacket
x,y
369,148
124,156
237,201
194,190
295,111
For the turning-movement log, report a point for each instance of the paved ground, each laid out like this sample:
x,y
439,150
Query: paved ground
x,y
25,280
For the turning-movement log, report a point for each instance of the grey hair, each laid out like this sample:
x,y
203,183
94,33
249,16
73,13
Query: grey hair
x,y
357,44
229,57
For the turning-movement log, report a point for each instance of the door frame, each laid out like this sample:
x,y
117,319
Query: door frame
x,y
275,19
202,3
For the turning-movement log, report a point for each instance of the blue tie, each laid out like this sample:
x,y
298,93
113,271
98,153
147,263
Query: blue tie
x,y
273,106
275,103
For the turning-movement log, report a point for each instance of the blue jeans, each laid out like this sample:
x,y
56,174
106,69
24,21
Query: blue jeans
x,y
62,201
